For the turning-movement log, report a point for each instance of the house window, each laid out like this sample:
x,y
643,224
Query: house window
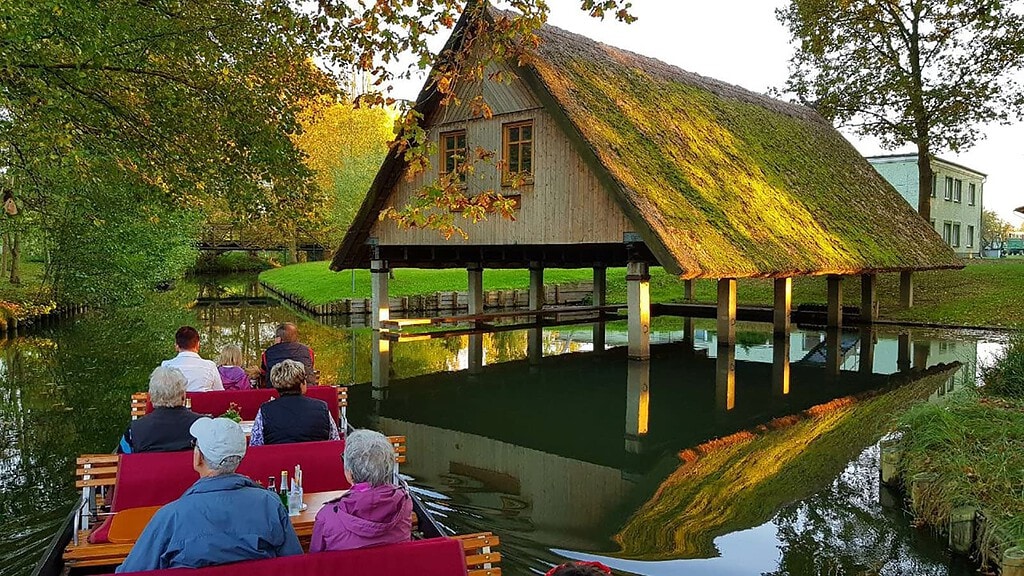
x,y
970,236
947,232
948,195
518,148
972,192
453,153
935,183
956,235
958,191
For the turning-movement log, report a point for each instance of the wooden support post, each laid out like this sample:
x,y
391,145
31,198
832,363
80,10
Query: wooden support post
x,y
535,345
725,378
638,402
688,340
638,297
380,365
866,359
833,351
688,290
903,352
600,298
536,286
379,287
780,366
906,289
476,353
835,301
868,298
961,529
475,293
726,312
783,306
1012,562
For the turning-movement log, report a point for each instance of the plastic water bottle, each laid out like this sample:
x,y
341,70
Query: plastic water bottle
x,y
294,500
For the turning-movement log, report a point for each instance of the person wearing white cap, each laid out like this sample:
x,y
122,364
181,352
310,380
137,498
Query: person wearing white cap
x,y
224,517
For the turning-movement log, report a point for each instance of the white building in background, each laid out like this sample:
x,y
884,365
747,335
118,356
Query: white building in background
x,y
956,197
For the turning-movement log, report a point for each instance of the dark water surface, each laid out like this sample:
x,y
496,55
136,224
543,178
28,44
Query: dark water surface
x,y
694,463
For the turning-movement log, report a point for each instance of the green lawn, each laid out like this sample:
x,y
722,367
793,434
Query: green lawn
x,y
985,293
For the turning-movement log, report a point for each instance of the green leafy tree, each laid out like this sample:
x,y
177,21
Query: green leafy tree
x,y
993,229
925,72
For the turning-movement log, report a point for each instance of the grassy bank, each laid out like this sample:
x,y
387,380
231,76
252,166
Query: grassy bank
x,y
973,448
985,293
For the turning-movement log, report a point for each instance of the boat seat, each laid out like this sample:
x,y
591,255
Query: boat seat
x,y
218,402
457,556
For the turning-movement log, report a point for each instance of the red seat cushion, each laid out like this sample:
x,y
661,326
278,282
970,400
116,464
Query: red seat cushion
x,y
328,394
322,467
217,402
433,557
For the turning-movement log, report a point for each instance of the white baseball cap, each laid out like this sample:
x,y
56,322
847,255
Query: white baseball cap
x,y
218,438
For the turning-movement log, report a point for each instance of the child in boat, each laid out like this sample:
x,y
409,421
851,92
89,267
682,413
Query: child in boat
x,y
375,510
229,365
580,569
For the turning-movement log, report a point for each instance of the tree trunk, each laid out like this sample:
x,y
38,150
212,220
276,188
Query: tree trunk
x,y
15,253
293,249
924,184
5,247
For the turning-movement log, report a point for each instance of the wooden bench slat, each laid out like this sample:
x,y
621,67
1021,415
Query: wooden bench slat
x,y
97,459
485,572
94,482
479,542
478,559
97,471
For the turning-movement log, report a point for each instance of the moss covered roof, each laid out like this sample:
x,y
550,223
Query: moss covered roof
x,y
731,183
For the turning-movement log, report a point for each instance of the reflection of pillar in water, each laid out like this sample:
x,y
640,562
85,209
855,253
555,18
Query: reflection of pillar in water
x,y
688,333
833,351
638,400
381,366
780,366
600,298
867,350
725,379
903,352
535,345
922,349
476,353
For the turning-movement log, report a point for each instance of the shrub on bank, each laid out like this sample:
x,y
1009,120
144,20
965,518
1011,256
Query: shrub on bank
x,y
1005,376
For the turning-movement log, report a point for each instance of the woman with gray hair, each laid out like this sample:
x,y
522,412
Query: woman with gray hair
x,y
292,417
165,429
375,510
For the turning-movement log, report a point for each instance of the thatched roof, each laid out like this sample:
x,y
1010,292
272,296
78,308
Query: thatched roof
x,y
719,181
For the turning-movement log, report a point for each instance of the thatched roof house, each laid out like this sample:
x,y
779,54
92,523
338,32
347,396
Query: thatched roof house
x,y
717,181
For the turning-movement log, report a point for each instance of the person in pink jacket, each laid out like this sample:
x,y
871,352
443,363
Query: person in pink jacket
x,y
375,510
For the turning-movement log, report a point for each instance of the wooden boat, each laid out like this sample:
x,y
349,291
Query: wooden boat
x,y
153,479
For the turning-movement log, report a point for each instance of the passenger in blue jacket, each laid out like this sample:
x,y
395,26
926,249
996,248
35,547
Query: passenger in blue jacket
x,y
222,518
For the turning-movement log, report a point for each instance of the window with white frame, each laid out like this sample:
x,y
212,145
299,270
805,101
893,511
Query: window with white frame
x,y
947,232
956,235
958,190
948,194
935,184
972,194
970,236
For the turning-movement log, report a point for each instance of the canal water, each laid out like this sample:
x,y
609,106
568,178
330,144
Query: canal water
x,y
761,462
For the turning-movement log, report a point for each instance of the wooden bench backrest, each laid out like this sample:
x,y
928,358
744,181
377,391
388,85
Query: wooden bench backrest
x,y
481,559
140,405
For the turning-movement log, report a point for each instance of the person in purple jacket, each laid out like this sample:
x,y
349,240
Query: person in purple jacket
x,y
229,365
375,510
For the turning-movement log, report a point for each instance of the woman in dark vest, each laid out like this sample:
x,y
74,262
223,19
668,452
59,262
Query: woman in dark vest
x,y
165,429
292,417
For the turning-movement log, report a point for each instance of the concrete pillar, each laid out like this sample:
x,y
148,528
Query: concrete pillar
x,y
379,291
867,350
536,286
600,298
476,353
380,364
868,298
638,402
535,345
835,301
475,292
638,298
783,306
726,312
688,290
725,378
833,351
906,289
903,352
780,366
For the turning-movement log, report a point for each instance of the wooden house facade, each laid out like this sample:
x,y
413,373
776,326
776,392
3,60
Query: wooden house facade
x,y
622,160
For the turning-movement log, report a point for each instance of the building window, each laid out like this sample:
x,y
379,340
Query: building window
x,y
948,195
947,232
958,190
956,235
935,183
972,192
970,236
453,153
518,149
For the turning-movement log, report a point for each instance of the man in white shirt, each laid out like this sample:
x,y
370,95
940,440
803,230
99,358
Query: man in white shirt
x,y
202,374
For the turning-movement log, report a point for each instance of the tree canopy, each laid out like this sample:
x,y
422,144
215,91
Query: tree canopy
x,y
144,111
925,72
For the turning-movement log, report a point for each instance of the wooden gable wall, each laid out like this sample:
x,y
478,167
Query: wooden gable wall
x,y
565,204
